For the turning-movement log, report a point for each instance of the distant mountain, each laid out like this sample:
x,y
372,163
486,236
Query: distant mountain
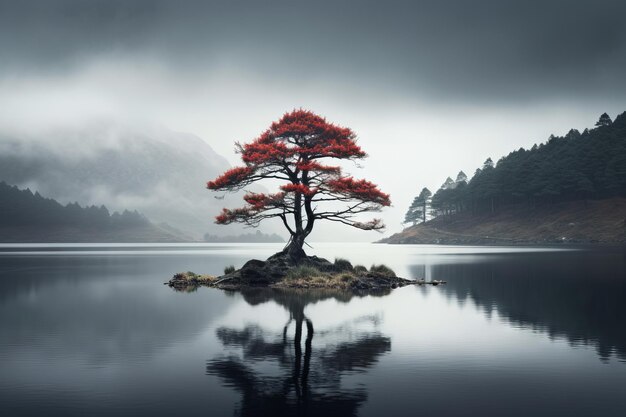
x,y
257,237
154,170
28,217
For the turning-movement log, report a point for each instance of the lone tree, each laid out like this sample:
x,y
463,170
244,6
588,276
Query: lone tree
x,y
292,151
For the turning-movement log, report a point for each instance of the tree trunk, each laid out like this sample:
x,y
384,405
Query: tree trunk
x,y
294,248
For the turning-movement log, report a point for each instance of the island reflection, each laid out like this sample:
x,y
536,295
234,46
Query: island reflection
x,y
305,377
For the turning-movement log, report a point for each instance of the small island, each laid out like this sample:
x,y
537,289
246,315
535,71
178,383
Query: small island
x,y
311,272
293,150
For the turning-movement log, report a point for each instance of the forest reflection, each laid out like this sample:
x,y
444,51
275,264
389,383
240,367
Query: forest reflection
x,y
575,295
308,378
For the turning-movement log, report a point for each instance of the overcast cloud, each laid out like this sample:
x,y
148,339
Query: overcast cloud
x,y
431,87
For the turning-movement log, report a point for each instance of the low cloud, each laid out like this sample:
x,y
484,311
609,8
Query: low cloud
x,y
430,87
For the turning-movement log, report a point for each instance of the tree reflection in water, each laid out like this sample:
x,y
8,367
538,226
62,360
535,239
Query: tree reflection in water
x,y
306,384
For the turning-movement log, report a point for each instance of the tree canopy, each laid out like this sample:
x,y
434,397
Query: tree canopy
x,y
294,151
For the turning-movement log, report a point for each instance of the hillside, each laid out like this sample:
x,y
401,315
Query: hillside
x,y
159,172
28,217
568,189
574,167
593,221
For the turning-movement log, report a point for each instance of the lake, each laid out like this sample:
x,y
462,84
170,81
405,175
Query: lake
x,y
92,330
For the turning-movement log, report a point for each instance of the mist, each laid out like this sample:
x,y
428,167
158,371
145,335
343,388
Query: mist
x,y
429,87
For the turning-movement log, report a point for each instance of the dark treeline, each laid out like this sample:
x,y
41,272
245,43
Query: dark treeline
x,y
257,237
577,166
23,209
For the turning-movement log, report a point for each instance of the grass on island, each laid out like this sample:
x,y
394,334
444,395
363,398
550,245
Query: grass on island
x,y
343,265
308,276
383,270
194,278
340,275
360,269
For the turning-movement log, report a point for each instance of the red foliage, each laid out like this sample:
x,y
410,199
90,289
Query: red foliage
x,y
261,152
298,188
222,218
230,178
229,216
261,201
316,166
291,150
301,133
359,190
347,149
256,200
304,123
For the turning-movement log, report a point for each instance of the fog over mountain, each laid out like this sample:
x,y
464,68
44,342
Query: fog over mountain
x,y
430,87
148,168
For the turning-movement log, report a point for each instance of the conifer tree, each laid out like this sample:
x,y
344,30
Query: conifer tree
x,y
604,120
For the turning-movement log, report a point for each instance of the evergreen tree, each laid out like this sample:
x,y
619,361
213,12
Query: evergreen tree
x,y
419,208
449,183
423,200
412,215
604,120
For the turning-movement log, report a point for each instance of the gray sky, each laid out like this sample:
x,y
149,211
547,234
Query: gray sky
x,y
430,87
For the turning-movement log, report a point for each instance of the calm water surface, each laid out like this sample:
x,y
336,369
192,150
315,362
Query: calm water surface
x,y
92,330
